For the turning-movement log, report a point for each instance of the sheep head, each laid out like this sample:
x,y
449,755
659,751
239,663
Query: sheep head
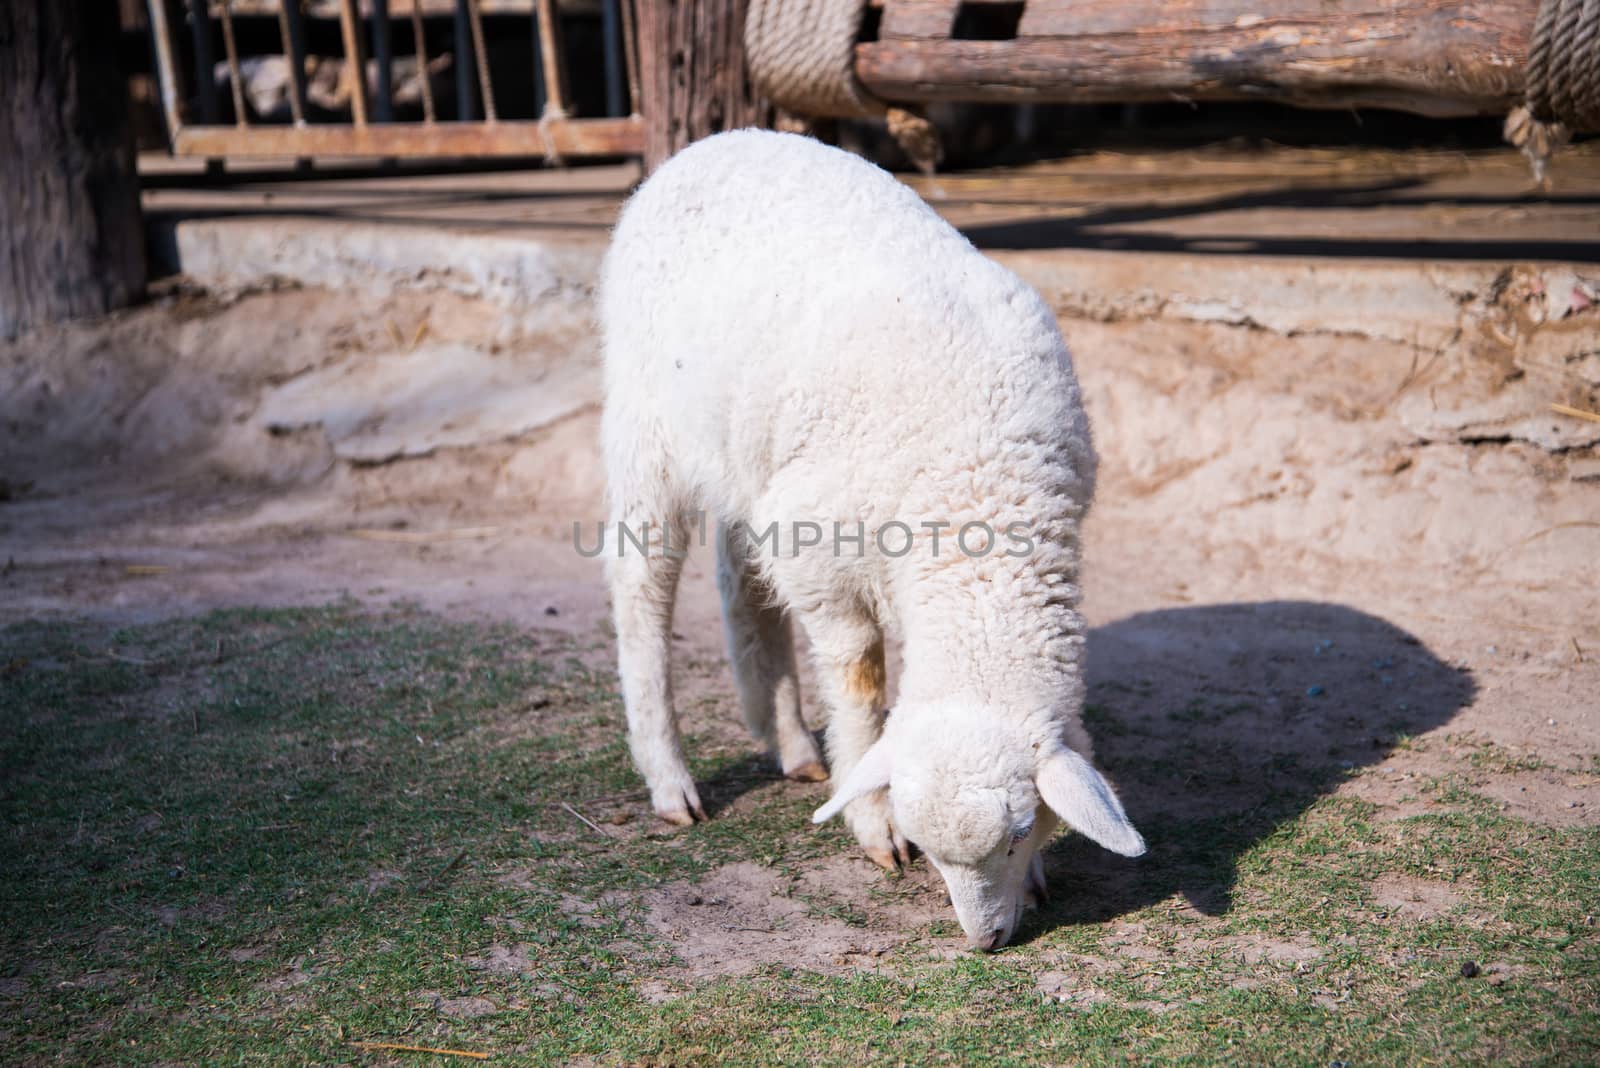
x,y
980,800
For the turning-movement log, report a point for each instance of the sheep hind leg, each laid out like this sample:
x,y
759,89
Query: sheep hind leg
x,y
644,584
761,649
851,671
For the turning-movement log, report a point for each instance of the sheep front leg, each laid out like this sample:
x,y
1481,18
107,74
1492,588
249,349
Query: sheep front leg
x,y
644,585
851,671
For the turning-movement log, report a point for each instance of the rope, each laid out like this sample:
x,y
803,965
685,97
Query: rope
x,y
1561,81
801,56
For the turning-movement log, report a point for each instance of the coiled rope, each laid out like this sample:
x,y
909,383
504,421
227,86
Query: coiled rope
x,y
1561,81
801,55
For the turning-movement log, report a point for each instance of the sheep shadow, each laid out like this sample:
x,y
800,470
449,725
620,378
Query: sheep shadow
x,y
1219,724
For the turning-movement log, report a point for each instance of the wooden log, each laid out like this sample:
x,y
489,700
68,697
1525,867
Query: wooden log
x,y
71,233
1434,57
692,76
563,137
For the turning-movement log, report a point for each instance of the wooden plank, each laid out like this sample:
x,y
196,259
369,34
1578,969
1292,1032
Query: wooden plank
x,y
355,61
553,58
166,63
230,51
1435,57
293,34
572,137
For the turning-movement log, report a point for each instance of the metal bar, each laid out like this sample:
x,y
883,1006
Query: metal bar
x,y
355,64
383,59
205,74
564,137
466,106
481,53
235,76
166,67
630,44
611,39
419,44
294,51
555,65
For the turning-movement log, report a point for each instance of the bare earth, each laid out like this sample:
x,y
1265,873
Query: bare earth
x,y
1307,530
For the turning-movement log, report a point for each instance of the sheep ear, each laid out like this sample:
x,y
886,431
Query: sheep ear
x,y
1085,802
870,773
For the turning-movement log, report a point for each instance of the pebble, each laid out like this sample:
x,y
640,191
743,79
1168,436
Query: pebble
x,y
1315,691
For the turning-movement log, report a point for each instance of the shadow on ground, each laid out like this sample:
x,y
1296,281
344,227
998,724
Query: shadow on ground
x,y
1220,724
1103,227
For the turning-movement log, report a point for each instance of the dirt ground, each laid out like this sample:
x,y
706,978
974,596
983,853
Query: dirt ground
x,y
1384,551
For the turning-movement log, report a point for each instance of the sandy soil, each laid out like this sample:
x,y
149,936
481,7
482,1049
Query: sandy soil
x,y
1284,534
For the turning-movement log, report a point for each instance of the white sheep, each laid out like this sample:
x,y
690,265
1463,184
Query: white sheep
x,y
798,345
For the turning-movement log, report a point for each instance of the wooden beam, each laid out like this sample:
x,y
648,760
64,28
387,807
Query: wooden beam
x,y
918,18
572,137
1436,57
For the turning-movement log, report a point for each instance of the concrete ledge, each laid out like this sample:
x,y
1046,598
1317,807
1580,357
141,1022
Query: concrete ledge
x,y
1412,302
1417,302
243,253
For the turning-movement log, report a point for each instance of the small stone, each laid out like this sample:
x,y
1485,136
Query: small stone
x,y
552,610
695,899
1469,969
1315,691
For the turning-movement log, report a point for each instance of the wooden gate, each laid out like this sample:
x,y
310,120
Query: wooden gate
x,y
370,98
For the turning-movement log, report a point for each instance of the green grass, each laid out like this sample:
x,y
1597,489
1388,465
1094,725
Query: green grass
x,y
257,837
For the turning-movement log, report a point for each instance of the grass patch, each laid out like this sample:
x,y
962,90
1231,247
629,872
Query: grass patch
x,y
256,837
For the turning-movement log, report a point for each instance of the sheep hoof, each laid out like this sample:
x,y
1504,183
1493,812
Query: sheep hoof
x,y
883,858
811,771
684,814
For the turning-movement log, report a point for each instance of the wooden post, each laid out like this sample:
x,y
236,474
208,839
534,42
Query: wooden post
x,y
71,233
692,74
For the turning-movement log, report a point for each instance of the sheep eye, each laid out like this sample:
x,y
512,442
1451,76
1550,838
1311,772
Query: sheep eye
x,y
1020,834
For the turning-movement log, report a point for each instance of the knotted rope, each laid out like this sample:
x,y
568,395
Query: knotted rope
x,y
1561,81
801,55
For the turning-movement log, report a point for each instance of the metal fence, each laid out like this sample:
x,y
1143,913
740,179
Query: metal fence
x,y
392,78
